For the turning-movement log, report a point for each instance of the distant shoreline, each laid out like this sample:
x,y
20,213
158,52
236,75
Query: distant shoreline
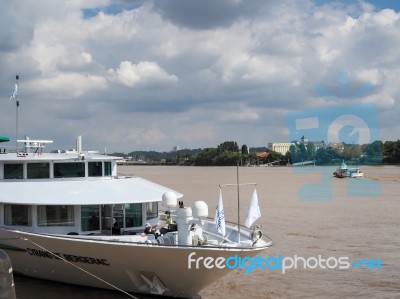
x,y
137,163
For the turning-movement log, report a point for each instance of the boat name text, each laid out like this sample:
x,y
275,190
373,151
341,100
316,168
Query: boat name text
x,y
68,257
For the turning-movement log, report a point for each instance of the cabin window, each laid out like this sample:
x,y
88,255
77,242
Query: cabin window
x,y
90,217
13,171
17,215
118,215
69,170
107,169
151,210
95,169
55,215
133,215
38,170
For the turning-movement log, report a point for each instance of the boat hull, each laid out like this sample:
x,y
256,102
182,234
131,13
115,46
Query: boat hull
x,y
130,267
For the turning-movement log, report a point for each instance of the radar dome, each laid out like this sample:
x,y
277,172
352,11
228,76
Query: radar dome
x,y
200,209
169,199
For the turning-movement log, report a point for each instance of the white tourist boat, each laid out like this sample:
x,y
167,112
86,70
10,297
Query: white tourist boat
x,y
356,173
68,216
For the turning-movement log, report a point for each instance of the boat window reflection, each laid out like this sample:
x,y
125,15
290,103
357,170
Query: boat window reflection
x,y
55,215
95,169
17,215
38,170
69,170
90,215
107,168
13,171
151,210
133,215
118,217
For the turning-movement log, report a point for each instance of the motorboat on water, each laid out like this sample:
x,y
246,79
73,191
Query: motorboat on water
x,y
356,172
343,171
68,216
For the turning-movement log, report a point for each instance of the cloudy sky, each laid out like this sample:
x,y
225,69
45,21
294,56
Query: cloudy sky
x,y
149,75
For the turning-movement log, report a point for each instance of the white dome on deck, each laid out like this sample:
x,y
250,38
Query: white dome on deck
x,y
200,209
169,199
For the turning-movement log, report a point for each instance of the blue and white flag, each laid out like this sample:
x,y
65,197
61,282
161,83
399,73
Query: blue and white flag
x,y
220,216
14,92
254,210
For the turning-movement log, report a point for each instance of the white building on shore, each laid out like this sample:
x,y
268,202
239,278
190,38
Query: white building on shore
x,y
284,147
280,147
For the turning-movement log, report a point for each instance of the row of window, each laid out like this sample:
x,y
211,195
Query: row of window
x,y
93,217
61,170
47,215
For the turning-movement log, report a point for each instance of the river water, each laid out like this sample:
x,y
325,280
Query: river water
x,y
356,219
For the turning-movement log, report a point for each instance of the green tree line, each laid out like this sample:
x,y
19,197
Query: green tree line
x,y
228,153
376,152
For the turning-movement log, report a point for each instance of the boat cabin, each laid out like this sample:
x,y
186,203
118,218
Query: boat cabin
x,y
73,192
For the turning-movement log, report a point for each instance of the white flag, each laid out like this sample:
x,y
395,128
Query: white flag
x,y
254,210
14,92
220,216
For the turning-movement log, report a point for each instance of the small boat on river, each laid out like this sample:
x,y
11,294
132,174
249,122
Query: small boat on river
x,y
343,171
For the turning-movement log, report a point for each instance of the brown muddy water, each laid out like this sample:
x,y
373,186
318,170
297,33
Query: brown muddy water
x,y
358,219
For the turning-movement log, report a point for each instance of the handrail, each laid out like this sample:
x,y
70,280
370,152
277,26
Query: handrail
x,y
219,237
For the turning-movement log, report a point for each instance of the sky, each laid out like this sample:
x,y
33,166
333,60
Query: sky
x,y
151,75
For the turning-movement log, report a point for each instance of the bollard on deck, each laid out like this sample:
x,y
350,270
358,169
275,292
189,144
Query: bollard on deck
x,y
7,288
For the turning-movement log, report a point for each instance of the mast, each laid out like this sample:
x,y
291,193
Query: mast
x,y
238,200
16,109
237,185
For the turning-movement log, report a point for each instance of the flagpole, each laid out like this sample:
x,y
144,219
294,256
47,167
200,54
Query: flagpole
x,y
16,119
238,201
220,215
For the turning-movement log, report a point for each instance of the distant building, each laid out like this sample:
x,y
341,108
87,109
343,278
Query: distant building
x,y
304,140
338,146
284,147
281,147
262,155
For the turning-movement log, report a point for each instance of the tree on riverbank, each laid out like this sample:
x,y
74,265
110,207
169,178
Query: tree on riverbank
x,y
226,154
391,152
376,152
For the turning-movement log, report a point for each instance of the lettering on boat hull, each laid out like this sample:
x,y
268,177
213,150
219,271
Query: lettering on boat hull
x,y
68,257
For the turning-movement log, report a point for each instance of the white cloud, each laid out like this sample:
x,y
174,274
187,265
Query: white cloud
x,y
67,86
239,113
148,136
373,76
197,79
385,17
145,72
109,28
